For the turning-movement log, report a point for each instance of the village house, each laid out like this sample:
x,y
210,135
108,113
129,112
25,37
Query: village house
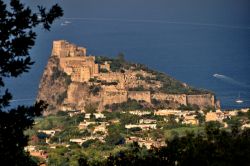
x,y
96,115
101,128
36,152
147,142
74,112
83,125
147,121
167,112
190,119
80,141
216,116
142,126
140,113
50,133
245,126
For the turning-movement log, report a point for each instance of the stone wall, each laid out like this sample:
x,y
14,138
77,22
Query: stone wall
x,y
111,95
201,100
113,77
179,98
140,95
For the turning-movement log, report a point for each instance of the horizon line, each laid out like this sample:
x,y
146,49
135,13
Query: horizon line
x,y
157,21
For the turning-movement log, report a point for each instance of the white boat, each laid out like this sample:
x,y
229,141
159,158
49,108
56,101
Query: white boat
x,y
239,101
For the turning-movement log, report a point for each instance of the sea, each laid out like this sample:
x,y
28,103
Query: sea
x,y
205,44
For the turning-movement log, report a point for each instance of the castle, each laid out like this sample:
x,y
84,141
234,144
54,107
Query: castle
x,y
114,87
75,62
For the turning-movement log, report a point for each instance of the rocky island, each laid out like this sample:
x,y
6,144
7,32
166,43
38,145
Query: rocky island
x,y
73,80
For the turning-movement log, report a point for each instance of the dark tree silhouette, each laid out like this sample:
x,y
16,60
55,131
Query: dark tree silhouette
x,y
17,36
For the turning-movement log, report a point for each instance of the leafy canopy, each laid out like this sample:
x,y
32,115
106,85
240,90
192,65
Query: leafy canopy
x,y
17,37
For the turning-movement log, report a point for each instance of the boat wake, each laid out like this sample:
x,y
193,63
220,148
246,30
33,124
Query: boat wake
x,y
230,80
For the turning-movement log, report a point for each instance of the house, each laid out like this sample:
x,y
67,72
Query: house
x,y
142,126
211,116
30,148
216,116
99,116
74,112
96,115
101,128
167,112
80,141
77,140
147,121
36,153
85,124
147,142
140,113
245,126
50,133
190,119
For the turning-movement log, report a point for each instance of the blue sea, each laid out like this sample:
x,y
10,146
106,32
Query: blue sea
x,y
205,44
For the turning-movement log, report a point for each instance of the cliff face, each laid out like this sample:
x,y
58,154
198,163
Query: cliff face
x,y
53,85
73,80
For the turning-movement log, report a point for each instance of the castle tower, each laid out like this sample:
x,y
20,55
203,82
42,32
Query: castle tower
x,y
57,47
62,48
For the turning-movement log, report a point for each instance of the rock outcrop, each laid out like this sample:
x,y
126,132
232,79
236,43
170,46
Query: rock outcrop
x,y
73,80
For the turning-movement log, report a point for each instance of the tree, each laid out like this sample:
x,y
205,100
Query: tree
x,y
200,117
90,108
17,37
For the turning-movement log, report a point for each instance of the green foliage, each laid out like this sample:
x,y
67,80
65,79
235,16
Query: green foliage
x,y
200,117
95,89
189,107
215,147
61,113
114,137
88,143
103,70
90,108
56,73
102,59
119,63
127,118
208,109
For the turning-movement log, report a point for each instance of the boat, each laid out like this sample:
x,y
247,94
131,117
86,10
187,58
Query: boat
x,y
238,100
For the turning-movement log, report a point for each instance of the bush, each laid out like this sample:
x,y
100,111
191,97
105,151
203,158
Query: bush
x,y
103,70
94,89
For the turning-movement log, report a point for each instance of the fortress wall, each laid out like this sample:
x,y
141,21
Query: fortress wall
x,y
201,100
140,95
179,98
110,77
113,77
114,96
